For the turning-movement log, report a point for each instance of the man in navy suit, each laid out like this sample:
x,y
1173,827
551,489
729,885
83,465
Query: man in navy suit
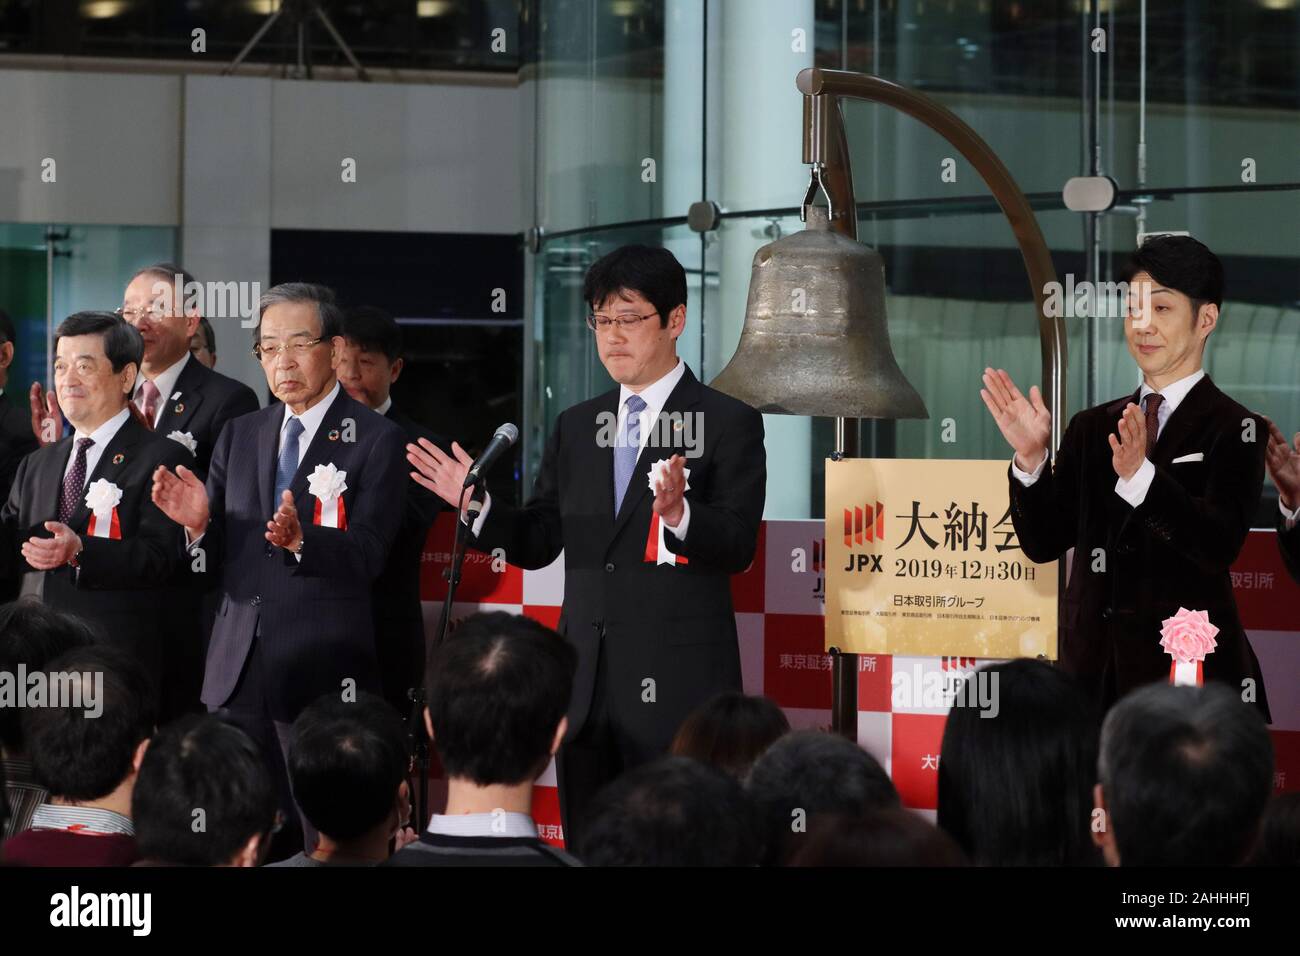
x,y
297,517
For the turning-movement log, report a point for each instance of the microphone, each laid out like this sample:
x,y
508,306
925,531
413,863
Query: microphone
x,y
505,436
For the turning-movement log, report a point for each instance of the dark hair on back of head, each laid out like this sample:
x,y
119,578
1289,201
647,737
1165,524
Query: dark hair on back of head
x,y
346,761
730,731
32,634
653,272
200,762
497,690
76,754
894,837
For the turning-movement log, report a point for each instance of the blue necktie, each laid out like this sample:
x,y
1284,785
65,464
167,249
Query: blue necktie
x,y
628,449
285,471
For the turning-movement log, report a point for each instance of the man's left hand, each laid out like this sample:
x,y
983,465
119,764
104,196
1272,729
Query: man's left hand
x,y
670,495
283,530
1130,449
45,554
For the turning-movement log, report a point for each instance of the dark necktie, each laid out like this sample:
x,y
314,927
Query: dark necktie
x,y
284,472
1153,420
74,481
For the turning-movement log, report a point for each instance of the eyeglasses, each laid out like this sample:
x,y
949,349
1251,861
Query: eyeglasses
x,y
155,313
625,320
297,349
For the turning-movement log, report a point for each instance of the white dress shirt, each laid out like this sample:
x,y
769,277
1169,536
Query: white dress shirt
x,y
311,420
1134,489
383,407
655,395
165,382
101,436
500,824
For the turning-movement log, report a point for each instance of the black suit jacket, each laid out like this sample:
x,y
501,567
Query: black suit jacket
x,y
670,623
121,585
1172,550
1289,543
16,442
313,616
201,403
398,616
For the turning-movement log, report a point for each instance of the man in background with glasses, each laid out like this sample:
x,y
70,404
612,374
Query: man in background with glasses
x,y
16,439
648,558
297,518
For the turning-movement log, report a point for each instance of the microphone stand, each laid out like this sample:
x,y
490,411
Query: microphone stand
x,y
416,735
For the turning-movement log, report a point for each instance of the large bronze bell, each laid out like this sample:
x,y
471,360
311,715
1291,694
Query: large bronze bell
x,y
815,340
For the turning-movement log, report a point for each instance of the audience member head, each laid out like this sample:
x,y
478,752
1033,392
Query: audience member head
x,y
807,774
200,769
347,765
895,837
1185,774
673,812
497,692
31,635
730,731
1015,780
1278,843
371,358
87,741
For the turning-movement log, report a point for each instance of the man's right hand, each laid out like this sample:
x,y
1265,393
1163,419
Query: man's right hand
x,y
1026,424
47,420
182,497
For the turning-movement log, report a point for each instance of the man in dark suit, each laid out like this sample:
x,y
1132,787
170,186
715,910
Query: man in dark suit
x,y
1283,463
369,363
1155,491
297,519
79,524
16,438
647,597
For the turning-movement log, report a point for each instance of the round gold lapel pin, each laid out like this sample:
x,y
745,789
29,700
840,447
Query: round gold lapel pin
x,y
334,434
119,458
180,407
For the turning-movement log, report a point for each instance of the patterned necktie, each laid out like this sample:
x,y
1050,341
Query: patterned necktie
x,y
284,472
74,481
147,400
1153,420
628,449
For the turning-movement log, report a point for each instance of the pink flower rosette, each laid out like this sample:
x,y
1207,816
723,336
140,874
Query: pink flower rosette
x,y
1187,637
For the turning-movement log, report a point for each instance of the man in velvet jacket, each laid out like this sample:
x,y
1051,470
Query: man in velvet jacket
x,y
1154,491
647,599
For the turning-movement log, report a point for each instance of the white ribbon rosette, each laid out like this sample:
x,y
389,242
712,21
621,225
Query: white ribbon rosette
x,y
186,439
656,550
102,498
327,484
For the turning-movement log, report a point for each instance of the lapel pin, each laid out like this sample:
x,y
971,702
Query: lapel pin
x,y
175,395
334,434
119,458
180,407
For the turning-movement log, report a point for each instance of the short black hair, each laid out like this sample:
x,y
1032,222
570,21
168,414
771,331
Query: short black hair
x,y
653,272
346,761
730,731
1279,833
1015,788
807,774
331,316
894,837
81,757
373,330
201,763
674,811
1186,773
7,331
31,635
209,335
496,690
122,342
1181,263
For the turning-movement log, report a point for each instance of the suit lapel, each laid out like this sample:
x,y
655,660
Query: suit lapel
x,y
268,447
323,448
684,396
1186,419
49,482
185,395
112,462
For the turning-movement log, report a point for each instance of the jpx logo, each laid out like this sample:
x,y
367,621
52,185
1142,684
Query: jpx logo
x,y
864,524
